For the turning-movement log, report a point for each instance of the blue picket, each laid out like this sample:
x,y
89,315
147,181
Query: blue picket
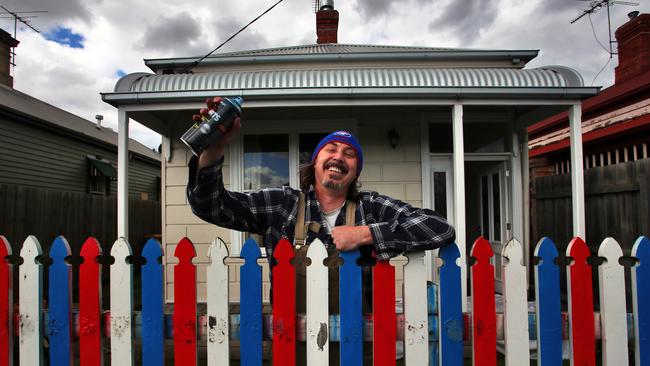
x,y
60,299
251,305
432,307
641,300
351,309
153,339
547,293
450,309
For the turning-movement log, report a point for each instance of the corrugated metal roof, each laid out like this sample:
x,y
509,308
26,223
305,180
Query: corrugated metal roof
x,y
333,52
334,48
358,78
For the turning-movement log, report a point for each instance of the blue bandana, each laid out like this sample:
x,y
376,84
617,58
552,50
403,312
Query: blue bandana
x,y
346,138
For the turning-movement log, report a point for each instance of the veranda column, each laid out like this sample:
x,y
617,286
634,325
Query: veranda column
x,y
577,179
459,195
122,174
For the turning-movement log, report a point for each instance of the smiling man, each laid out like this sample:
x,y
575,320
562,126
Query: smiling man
x,y
327,206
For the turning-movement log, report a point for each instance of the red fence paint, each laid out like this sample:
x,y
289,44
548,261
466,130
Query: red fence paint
x,y
6,304
484,329
581,303
384,317
185,305
90,341
284,306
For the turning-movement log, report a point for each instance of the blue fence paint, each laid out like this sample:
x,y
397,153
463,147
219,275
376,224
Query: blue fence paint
x,y
251,305
60,299
450,309
153,340
641,250
351,309
547,293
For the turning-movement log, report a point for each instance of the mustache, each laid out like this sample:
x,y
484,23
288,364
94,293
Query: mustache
x,y
336,164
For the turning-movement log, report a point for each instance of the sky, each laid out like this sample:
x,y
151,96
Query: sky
x,y
85,46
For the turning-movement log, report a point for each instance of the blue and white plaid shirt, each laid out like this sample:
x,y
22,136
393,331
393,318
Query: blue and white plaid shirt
x,y
396,226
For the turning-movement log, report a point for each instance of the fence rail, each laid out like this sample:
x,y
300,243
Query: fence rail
x,y
434,331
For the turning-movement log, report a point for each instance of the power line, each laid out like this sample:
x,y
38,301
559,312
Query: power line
x,y
231,37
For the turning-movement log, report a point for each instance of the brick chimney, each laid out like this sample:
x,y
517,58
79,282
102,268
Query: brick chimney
x,y
327,22
6,43
633,40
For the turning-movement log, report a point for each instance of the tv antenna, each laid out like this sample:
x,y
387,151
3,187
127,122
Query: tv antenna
x,y
596,5
19,17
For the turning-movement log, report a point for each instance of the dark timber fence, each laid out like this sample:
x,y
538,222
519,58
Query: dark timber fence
x,y
49,213
617,200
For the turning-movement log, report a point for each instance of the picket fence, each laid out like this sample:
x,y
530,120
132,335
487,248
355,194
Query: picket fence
x,y
433,331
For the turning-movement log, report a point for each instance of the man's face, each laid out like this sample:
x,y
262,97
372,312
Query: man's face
x,y
336,166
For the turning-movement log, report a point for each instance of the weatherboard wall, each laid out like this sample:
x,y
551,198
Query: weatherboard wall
x,y
39,156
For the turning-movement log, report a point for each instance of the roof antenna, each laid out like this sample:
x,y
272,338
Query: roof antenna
x,y
594,7
19,16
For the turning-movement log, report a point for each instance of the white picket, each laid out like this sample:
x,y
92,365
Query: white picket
x,y
317,306
613,317
217,296
121,305
30,285
416,324
515,305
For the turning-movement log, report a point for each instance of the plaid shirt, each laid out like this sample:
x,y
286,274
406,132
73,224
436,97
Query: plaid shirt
x,y
395,226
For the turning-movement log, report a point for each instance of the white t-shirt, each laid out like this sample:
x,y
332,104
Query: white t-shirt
x,y
330,219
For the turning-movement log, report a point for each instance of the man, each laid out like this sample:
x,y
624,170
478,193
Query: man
x,y
329,187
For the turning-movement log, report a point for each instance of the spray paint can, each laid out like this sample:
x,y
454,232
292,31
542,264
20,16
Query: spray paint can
x,y
202,134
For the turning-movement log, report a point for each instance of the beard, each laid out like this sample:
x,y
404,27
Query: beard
x,y
331,184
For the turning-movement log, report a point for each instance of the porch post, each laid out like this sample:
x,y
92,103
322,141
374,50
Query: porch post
x,y
459,195
577,179
122,174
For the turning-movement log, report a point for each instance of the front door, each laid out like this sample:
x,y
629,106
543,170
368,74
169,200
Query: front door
x,y
441,183
494,210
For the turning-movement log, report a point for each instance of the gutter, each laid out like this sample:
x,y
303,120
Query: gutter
x,y
122,98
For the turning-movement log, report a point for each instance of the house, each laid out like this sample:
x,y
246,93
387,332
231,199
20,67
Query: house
x,y
440,128
616,136
58,175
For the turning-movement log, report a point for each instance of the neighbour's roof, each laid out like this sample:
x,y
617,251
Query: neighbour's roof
x,y
22,103
346,52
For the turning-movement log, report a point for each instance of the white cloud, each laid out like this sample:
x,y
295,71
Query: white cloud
x,y
120,34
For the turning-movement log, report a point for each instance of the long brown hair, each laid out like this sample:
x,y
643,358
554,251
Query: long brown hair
x,y
308,178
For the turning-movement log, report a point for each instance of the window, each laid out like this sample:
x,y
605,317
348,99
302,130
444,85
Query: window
x,y
100,174
266,161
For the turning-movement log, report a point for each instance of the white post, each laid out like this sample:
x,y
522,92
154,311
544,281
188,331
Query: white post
x,y
459,195
577,179
122,174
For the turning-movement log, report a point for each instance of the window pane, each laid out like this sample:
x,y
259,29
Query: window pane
x,y
485,209
266,161
440,138
496,198
485,137
440,193
306,144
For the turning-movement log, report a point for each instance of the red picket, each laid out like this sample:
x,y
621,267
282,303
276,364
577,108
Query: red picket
x,y
484,327
6,306
284,306
185,304
90,308
384,317
581,305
